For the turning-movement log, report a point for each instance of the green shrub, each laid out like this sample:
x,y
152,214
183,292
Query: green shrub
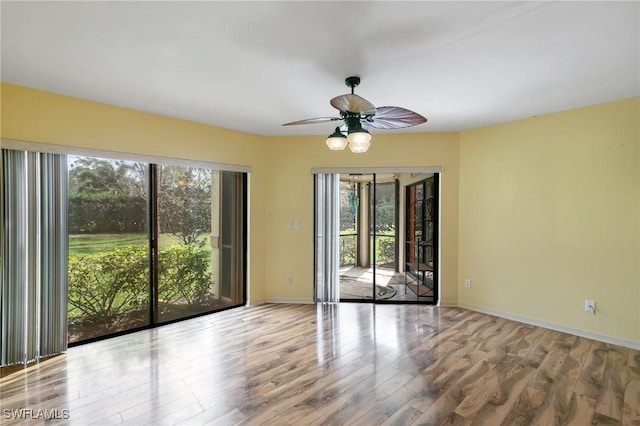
x,y
386,249
183,274
348,247
105,285
101,286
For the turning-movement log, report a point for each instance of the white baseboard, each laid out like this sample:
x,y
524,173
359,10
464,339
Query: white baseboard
x,y
448,304
301,301
557,327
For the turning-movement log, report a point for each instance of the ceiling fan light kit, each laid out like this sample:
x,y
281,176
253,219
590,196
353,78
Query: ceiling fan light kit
x,y
337,141
357,112
359,140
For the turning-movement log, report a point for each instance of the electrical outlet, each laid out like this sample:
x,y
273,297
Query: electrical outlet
x,y
590,306
467,283
287,279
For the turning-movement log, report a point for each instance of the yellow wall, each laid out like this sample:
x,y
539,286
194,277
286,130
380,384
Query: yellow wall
x,y
281,185
291,198
549,217
540,214
36,116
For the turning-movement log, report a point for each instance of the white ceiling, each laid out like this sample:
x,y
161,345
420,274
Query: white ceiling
x,y
252,66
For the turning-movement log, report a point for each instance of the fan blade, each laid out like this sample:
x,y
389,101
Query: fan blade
x,y
313,121
392,117
353,103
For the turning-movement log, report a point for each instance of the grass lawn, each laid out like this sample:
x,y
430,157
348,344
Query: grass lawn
x,y
98,243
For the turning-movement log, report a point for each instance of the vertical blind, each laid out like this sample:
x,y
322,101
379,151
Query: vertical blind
x,y
327,237
34,249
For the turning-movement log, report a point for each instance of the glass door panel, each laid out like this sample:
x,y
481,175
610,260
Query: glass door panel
x,y
184,272
200,252
384,239
421,266
228,240
356,279
108,279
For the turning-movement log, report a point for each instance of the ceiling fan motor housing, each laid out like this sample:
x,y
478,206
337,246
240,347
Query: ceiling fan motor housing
x,y
352,121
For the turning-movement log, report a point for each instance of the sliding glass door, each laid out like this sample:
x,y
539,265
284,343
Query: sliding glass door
x,y
383,258
151,244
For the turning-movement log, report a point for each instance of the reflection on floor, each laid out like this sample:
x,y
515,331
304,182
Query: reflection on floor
x,y
357,282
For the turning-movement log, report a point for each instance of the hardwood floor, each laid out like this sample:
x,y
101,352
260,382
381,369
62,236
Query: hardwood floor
x,y
357,364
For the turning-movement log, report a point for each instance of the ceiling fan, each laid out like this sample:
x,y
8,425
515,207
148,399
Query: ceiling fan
x,y
357,114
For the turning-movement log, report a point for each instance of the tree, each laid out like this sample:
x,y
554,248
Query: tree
x,y
385,207
107,196
95,175
184,202
348,206
111,196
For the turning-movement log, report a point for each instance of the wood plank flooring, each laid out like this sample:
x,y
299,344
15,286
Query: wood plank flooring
x,y
349,364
